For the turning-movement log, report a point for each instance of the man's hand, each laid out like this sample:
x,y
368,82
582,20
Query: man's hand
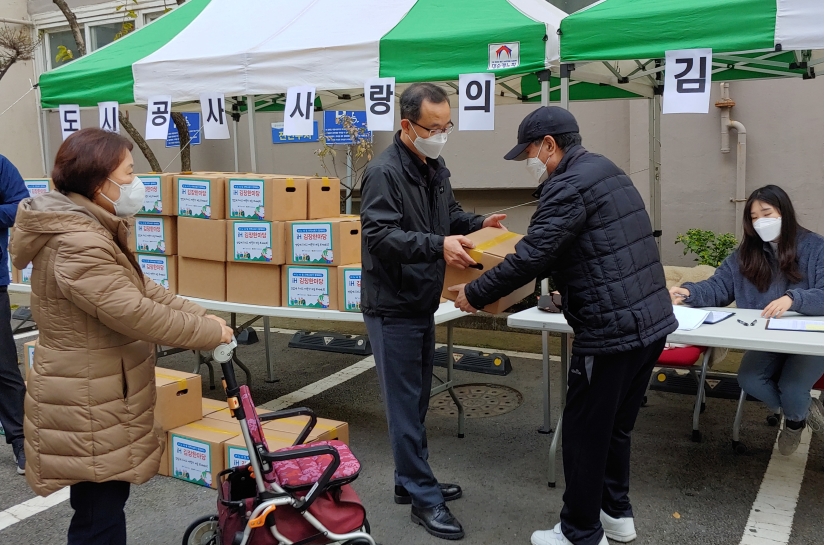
x,y
778,307
678,295
454,253
495,221
461,300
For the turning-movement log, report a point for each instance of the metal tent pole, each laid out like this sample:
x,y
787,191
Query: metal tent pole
x,y
250,111
654,167
235,141
565,84
547,426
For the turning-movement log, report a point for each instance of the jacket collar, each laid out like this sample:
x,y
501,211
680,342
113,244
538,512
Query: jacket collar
x,y
570,156
412,164
114,225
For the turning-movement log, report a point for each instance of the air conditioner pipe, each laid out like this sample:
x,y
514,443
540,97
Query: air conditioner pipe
x,y
725,104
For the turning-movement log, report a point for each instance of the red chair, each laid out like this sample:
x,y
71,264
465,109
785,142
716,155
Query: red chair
x,y
773,419
687,357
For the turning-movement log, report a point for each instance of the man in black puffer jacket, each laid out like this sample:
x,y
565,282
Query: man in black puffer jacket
x,y
591,233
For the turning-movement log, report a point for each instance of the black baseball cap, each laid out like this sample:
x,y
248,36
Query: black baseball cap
x,y
539,123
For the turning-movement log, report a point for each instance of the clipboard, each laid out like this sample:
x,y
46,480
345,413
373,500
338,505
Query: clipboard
x,y
815,326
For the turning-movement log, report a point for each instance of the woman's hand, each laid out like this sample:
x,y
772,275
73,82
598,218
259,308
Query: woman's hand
x,y
216,318
226,334
678,295
778,307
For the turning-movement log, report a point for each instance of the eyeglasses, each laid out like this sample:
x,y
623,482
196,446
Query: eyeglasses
x,y
433,132
746,323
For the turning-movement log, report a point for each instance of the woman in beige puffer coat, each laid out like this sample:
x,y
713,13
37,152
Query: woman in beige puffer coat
x,y
89,410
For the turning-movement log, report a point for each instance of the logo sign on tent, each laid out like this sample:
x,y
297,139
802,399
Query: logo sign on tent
x,y
476,104
108,116
299,111
687,81
335,132
379,95
215,125
503,56
69,119
278,136
157,117
193,123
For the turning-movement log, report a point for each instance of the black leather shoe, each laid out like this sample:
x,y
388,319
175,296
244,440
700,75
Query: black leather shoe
x,y
438,521
449,491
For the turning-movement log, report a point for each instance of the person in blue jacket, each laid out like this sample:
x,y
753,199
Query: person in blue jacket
x,y
777,268
12,389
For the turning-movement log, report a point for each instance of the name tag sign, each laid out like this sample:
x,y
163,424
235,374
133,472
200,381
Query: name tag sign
x,y
215,126
299,111
687,81
69,119
379,96
108,116
157,117
476,103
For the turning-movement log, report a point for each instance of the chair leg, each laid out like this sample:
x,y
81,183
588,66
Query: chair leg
x,y
700,398
737,422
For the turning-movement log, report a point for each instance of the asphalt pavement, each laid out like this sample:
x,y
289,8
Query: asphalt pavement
x,y
682,492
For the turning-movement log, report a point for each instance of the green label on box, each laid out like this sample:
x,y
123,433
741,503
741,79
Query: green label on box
x,y
352,290
191,460
26,274
238,456
312,243
194,198
30,356
253,241
152,199
308,287
37,187
155,267
246,199
150,236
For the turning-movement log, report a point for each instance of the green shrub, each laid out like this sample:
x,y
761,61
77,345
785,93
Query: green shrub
x,y
710,248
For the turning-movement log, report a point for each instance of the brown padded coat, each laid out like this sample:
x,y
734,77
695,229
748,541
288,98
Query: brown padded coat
x,y
89,409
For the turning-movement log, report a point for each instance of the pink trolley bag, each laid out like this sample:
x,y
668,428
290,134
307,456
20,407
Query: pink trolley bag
x,y
298,495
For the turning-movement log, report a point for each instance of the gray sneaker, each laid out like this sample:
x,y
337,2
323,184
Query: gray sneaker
x,y
814,419
19,456
789,440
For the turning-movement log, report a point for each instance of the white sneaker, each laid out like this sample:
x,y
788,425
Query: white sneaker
x,y
554,537
622,529
815,417
789,440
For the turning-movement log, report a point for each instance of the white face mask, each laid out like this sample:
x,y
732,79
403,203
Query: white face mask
x,y
430,147
536,168
131,198
768,229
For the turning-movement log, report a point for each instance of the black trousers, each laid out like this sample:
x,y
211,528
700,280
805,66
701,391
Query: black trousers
x,y
404,351
603,400
12,388
98,513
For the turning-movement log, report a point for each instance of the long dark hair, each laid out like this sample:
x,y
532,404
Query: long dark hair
x,y
753,262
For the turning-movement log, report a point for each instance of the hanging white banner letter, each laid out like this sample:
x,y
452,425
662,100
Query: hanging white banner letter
x,y
379,95
157,117
476,104
687,81
108,116
299,111
215,125
69,119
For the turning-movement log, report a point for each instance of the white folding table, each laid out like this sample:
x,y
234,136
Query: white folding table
x,y
445,314
728,333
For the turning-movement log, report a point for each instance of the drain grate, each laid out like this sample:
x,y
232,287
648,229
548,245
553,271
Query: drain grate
x,y
479,400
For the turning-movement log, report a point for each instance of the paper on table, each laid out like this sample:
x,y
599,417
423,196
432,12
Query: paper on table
x,y
795,325
689,318
716,316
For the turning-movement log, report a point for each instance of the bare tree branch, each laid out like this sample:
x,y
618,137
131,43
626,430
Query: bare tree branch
x,y
185,148
72,20
16,44
139,140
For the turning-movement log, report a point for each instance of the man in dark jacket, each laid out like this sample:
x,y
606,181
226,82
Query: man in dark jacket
x,y
12,389
591,233
411,226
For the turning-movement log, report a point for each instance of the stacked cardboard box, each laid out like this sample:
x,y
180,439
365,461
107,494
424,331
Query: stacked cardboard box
x,y
28,357
178,403
35,187
154,236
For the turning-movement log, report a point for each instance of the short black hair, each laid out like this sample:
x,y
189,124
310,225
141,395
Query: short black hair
x,y
564,140
414,96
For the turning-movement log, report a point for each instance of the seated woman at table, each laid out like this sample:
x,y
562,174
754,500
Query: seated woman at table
x,y
777,268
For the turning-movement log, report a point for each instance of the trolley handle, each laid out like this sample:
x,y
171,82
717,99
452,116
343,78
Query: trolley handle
x,y
224,354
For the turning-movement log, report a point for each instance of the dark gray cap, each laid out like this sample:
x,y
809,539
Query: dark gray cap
x,y
539,123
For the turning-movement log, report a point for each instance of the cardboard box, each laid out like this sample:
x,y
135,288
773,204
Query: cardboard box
x,y
349,288
178,398
163,269
196,451
24,276
331,241
38,186
14,274
309,287
155,235
253,284
202,279
201,197
225,414
202,239
323,198
28,357
236,454
324,430
266,197
255,242
491,246
160,198
164,459
209,406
